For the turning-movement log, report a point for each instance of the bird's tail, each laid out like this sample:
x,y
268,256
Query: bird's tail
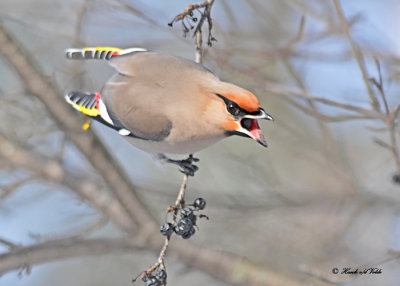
x,y
92,105
87,103
99,53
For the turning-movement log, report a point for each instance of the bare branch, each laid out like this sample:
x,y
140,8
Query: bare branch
x,y
9,244
324,276
199,47
11,188
327,136
299,36
278,89
229,268
126,6
84,231
389,118
357,54
179,203
379,85
396,112
61,249
205,15
383,144
54,172
328,118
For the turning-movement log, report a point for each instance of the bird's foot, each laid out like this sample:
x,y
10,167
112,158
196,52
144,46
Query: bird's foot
x,y
186,166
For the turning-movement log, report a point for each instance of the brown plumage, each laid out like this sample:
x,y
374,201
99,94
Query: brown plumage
x,y
168,104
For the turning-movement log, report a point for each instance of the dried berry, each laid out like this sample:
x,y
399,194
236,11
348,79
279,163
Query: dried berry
x,y
189,234
183,226
199,203
166,229
151,280
186,212
162,275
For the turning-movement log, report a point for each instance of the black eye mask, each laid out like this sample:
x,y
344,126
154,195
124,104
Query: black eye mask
x,y
234,109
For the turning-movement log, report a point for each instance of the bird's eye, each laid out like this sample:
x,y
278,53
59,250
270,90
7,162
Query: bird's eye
x,y
233,108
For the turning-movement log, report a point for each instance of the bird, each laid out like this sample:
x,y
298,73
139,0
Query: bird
x,y
164,104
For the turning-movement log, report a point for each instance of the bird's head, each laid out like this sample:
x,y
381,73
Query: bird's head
x,y
241,110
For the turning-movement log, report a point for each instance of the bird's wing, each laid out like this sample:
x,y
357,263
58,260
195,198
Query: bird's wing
x,y
147,95
153,63
129,104
152,92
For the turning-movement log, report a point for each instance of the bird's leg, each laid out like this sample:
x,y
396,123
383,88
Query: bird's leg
x,y
186,166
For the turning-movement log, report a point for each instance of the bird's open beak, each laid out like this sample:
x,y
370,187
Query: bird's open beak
x,y
249,126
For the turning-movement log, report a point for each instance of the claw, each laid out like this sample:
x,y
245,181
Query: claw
x,y
194,159
186,166
188,169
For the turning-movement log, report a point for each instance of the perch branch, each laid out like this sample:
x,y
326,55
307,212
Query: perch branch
x,y
180,200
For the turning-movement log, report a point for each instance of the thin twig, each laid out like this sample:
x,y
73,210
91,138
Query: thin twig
x,y
383,144
180,201
205,15
379,85
285,91
181,195
357,54
128,6
327,136
390,118
199,50
328,118
11,245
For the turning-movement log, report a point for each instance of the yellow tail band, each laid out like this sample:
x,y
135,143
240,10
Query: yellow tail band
x,y
102,49
99,53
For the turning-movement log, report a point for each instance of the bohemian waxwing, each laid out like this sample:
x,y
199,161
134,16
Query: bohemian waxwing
x,y
165,104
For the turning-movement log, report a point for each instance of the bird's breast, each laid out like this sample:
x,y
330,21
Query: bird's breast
x,y
169,146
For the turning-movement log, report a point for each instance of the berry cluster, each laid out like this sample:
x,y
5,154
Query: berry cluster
x,y
185,225
155,279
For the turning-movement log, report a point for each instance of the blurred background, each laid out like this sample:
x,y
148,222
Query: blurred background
x,y
323,195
